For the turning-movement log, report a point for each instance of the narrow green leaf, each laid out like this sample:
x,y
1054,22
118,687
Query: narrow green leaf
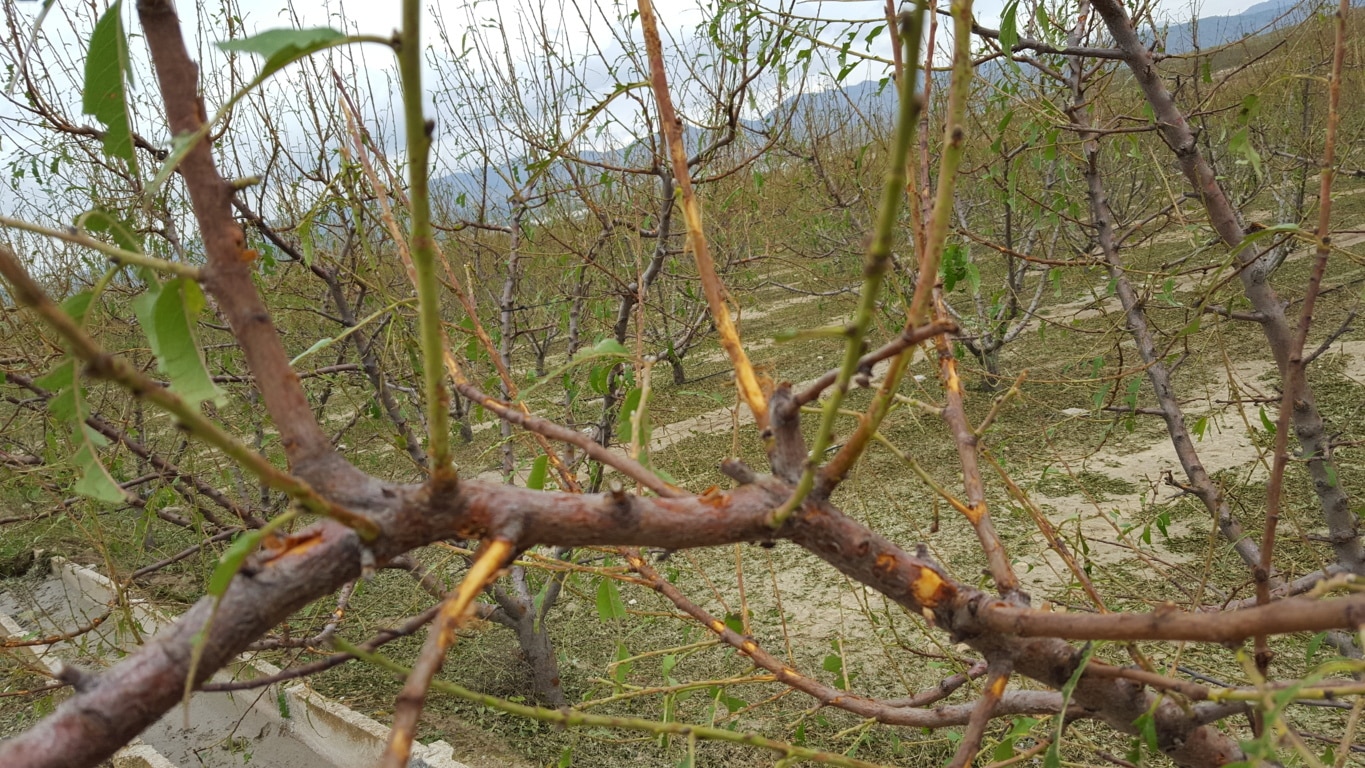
x,y
321,343
106,65
68,406
281,47
622,670
597,378
610,346
1044,21
1009,26
1053,758
98,220
144,309
539,469
228,565
1313,645
178,356
76,306
96,482
733,703
628,406
1266,422
609,605
181,144
58,378
306,240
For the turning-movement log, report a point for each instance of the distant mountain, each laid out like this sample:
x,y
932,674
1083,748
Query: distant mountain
x,y
874,99
1213,31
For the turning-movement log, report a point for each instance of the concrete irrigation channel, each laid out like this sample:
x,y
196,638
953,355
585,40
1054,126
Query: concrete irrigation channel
x,y
286,725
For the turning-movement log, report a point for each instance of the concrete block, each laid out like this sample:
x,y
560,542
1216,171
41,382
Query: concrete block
x,y
139,755
37,655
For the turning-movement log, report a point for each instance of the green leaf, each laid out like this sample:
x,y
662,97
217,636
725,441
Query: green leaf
x,y
96,482
167,313
1003,751
622,670
122,233
1019,728
629,405
1100,396
973,277
106,66
539,469
321,343
1240,144
281,47
1266,422
610,346
229,563
1044,21
1009,26
1313,645
953,266
597,378
732,703
609,605
58,378
306,241
76,306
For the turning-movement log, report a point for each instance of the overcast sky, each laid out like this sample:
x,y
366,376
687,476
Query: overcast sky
x,y
563,18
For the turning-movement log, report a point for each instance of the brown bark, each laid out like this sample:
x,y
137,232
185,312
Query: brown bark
x,y
130,696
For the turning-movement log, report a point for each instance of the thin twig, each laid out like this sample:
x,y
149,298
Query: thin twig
x,y
875,263
408,707
1294,374
745,376
981,716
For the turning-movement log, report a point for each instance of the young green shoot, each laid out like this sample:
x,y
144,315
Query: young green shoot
x,y
422,243
875,263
